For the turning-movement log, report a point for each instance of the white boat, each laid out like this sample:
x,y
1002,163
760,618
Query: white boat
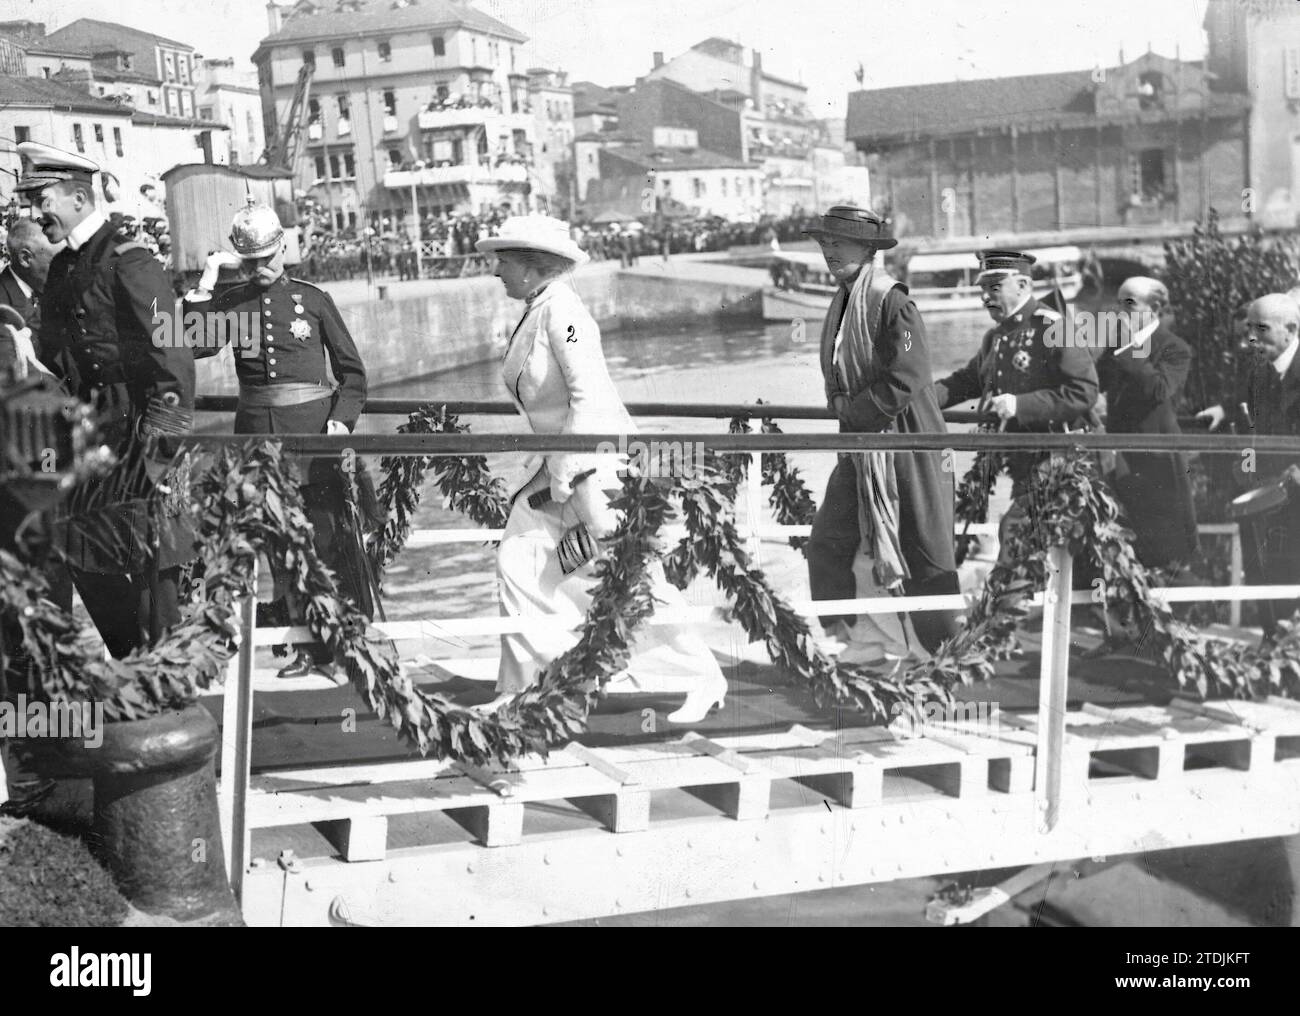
x,y
938,283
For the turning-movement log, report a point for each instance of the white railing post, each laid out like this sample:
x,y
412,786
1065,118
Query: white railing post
x,y
1237,577
754,506
1053,681
236,746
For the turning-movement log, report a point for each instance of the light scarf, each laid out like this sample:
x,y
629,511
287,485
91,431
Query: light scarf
x,y
853,356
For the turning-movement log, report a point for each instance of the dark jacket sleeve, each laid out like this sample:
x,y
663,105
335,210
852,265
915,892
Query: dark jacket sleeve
x,y
143,295
1151,380
215,335
963,384
1073,397
346,363
902,366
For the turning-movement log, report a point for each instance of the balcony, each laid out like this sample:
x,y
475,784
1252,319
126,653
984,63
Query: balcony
x,y
390,123
470,116
315,131
507,172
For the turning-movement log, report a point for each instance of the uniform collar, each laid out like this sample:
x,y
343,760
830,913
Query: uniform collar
x,y
1020,315
85,229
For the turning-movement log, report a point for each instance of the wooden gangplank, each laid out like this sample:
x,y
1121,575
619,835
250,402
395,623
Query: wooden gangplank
x,y
785,812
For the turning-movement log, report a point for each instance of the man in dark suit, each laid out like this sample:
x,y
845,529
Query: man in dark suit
x,y
1272,540
23,280
1143,377
100,311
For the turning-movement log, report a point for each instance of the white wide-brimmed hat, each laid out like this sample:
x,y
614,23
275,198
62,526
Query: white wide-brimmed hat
x,y
535,232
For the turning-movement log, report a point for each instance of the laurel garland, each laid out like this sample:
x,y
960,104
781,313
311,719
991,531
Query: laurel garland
x,y
466,484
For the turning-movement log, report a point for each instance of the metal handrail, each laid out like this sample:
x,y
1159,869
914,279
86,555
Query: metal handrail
x,y
704,410
484,444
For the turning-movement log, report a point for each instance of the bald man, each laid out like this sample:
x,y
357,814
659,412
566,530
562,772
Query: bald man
x,y
22,282
1272,540
1143,377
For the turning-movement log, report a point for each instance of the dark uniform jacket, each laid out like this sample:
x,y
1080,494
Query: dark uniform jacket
x,y
101,308
1055,384
288,333
1142,394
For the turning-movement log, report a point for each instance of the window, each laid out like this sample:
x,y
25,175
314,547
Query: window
x,y
313,111
697,186
309,57
724,186
352,220
167,100
439,46
385,52
395,158
169,62
77,139
117,140
390,102
349,166
183,65
45,72
152,97
337,54
344,106
473,52
320,168
22,134
99,133
334,167
1151,88
1149,174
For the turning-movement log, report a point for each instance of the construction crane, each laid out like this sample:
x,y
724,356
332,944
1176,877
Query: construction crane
x,y
286,147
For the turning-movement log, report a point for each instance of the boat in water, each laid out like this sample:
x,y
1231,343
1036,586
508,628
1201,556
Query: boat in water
x,y
938,283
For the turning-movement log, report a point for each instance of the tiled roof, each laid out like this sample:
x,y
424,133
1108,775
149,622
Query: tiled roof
x,y
379,16
646,157
22,91
959,107
90,36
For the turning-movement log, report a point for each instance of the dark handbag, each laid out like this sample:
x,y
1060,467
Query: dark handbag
x,y
575,549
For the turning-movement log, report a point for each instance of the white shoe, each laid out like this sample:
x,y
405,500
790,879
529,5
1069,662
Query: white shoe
x,y
700,702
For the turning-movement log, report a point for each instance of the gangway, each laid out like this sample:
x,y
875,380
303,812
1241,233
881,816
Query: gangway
x,y
595,831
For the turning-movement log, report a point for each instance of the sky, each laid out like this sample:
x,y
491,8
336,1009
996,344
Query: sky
x,y
898,42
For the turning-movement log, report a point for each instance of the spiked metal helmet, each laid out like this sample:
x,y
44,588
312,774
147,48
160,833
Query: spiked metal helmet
x,y
256,231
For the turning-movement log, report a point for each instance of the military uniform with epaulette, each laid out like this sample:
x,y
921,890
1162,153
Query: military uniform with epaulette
x,y
1055,385
1025,355
103,301
298,371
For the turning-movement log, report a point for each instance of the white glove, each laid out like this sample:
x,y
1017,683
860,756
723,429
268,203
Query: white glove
x,y
25,351
1215,415
591,507
1004,406
334,427
217,260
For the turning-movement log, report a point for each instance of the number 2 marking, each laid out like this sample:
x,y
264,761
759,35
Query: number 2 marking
x,y
570,337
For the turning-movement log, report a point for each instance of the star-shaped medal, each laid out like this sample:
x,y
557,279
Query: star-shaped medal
x,y
300,329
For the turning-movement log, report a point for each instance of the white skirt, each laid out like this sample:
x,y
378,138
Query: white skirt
x,y
665,658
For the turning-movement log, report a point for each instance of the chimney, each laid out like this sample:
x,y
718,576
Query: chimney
x,y
274,17
659,59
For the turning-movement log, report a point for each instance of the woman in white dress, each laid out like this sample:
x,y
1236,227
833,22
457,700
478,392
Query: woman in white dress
x,y
555,372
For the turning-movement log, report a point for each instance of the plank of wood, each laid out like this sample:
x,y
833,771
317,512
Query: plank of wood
x,y
358,839
496,825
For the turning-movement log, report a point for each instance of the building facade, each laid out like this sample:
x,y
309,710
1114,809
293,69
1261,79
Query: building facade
x,y
551,101
1255,49
419,106
1153,140
229,96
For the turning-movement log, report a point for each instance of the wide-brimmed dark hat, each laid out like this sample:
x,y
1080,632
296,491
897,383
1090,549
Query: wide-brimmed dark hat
x,y
854,223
